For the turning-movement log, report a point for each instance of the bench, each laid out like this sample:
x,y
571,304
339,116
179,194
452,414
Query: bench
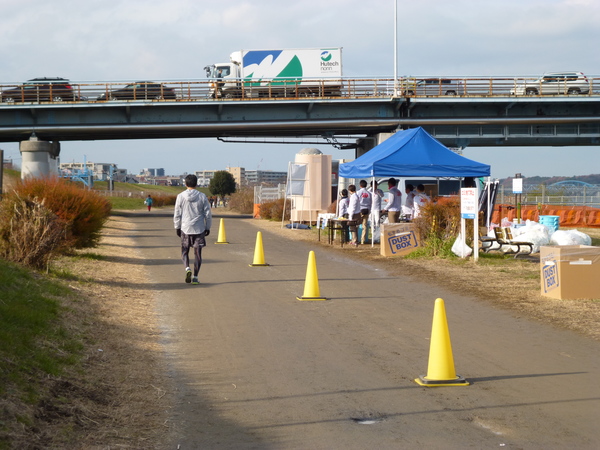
x,y
504,237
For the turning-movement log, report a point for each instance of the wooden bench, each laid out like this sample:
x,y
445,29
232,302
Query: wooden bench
x,y
504,237
487,242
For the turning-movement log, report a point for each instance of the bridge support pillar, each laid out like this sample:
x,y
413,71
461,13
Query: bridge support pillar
x,y
39,158
367,143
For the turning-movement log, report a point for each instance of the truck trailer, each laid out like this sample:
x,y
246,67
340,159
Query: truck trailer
x,y
303,72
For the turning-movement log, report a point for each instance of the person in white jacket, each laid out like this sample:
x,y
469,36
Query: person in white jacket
x,y
192,220
394,201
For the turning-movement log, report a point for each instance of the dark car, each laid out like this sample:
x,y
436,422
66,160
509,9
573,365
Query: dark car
x,y
141,90
41,90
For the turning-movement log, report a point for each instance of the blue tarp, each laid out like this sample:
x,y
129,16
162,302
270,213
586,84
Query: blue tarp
x,y
412,153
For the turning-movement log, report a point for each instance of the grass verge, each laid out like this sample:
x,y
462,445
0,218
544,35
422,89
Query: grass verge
x,y
36,345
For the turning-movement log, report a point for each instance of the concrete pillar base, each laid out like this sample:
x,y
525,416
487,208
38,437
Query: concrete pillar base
x,y
39,158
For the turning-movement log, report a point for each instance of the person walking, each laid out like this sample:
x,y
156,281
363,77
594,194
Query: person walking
x,y
366,202
192,220
394,201
148,202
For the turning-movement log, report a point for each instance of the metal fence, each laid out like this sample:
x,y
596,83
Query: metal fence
x,y
553,195
202,90
265,194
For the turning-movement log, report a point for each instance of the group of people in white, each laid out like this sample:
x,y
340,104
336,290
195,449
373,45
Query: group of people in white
x,y
365,205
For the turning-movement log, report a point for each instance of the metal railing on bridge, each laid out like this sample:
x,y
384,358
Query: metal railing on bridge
x,y
344,88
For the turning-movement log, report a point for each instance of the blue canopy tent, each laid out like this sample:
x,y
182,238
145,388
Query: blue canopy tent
x,y
412,153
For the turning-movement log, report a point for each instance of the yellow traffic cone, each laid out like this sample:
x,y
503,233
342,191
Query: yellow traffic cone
x,y
222,239
311,284
440,371
259,254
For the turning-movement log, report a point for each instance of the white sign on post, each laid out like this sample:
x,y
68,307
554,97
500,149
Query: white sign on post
x,y
468,203
469,209
517,185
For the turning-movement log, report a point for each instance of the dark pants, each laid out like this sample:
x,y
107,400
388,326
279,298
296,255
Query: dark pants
x,y
195,241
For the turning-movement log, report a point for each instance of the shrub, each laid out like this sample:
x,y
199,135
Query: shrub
x,y
242,201
163,200
29,232
273,210
83,212
438,225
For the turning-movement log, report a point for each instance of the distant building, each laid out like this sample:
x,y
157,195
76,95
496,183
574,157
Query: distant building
x,y
239,175
100,171
204,177
153,172
254,177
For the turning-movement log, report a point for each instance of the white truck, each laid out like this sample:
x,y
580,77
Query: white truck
x,y
302,72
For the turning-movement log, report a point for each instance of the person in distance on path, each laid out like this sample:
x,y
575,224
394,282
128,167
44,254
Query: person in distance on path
x,y
148,202
192,219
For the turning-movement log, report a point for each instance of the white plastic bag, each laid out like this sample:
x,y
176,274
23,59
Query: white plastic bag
x,y
570,237
459,250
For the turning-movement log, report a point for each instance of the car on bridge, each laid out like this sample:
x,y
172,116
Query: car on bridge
x,y
41,90
140,90
429,87
556,83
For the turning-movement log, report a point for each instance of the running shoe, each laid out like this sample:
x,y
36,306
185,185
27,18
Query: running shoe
x,y
188,275
195,280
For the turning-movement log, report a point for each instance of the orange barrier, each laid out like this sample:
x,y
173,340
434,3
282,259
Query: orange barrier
x,y
593,218
569,216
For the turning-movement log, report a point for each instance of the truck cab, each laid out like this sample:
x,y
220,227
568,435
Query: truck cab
x,y
223,80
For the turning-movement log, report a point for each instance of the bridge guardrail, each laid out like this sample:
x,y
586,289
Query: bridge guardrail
x,y
200,90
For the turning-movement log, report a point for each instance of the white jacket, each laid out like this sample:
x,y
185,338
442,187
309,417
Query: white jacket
x,y
192,212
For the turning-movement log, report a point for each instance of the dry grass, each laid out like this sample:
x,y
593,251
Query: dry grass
x,y
122,397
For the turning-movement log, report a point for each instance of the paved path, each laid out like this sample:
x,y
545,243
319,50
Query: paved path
x,y
256,368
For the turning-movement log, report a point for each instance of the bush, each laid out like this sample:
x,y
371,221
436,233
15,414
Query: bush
x,y
163,200
242,201
438,225
29,232
37,208
273,210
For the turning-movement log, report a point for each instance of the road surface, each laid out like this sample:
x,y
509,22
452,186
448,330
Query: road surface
x,y
255,368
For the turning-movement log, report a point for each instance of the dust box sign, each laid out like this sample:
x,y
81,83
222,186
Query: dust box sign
x,y
398,239
550,279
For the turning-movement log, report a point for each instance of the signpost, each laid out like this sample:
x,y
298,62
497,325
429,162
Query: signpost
x,y
469,208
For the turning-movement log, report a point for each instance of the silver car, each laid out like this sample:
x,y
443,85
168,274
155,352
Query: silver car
x,y
433,87
557,83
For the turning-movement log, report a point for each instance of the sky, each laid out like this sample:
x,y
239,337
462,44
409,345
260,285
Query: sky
x,y
120,40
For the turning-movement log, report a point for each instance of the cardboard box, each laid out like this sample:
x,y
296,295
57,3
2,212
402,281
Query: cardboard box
x,y
570,272
399,239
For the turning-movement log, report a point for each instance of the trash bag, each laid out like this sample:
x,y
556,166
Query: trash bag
x,y
459,250
570,237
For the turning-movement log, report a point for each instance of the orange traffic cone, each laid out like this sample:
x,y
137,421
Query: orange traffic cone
x,y
440,371
259,254
222,239
311,284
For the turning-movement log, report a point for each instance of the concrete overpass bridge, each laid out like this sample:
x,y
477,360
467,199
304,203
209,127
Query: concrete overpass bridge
x,y
482,113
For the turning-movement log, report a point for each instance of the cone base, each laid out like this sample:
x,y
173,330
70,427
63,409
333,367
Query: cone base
x,y
221,242
258,265
310,298
458,381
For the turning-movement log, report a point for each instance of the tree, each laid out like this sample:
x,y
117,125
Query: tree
x,y
222,184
